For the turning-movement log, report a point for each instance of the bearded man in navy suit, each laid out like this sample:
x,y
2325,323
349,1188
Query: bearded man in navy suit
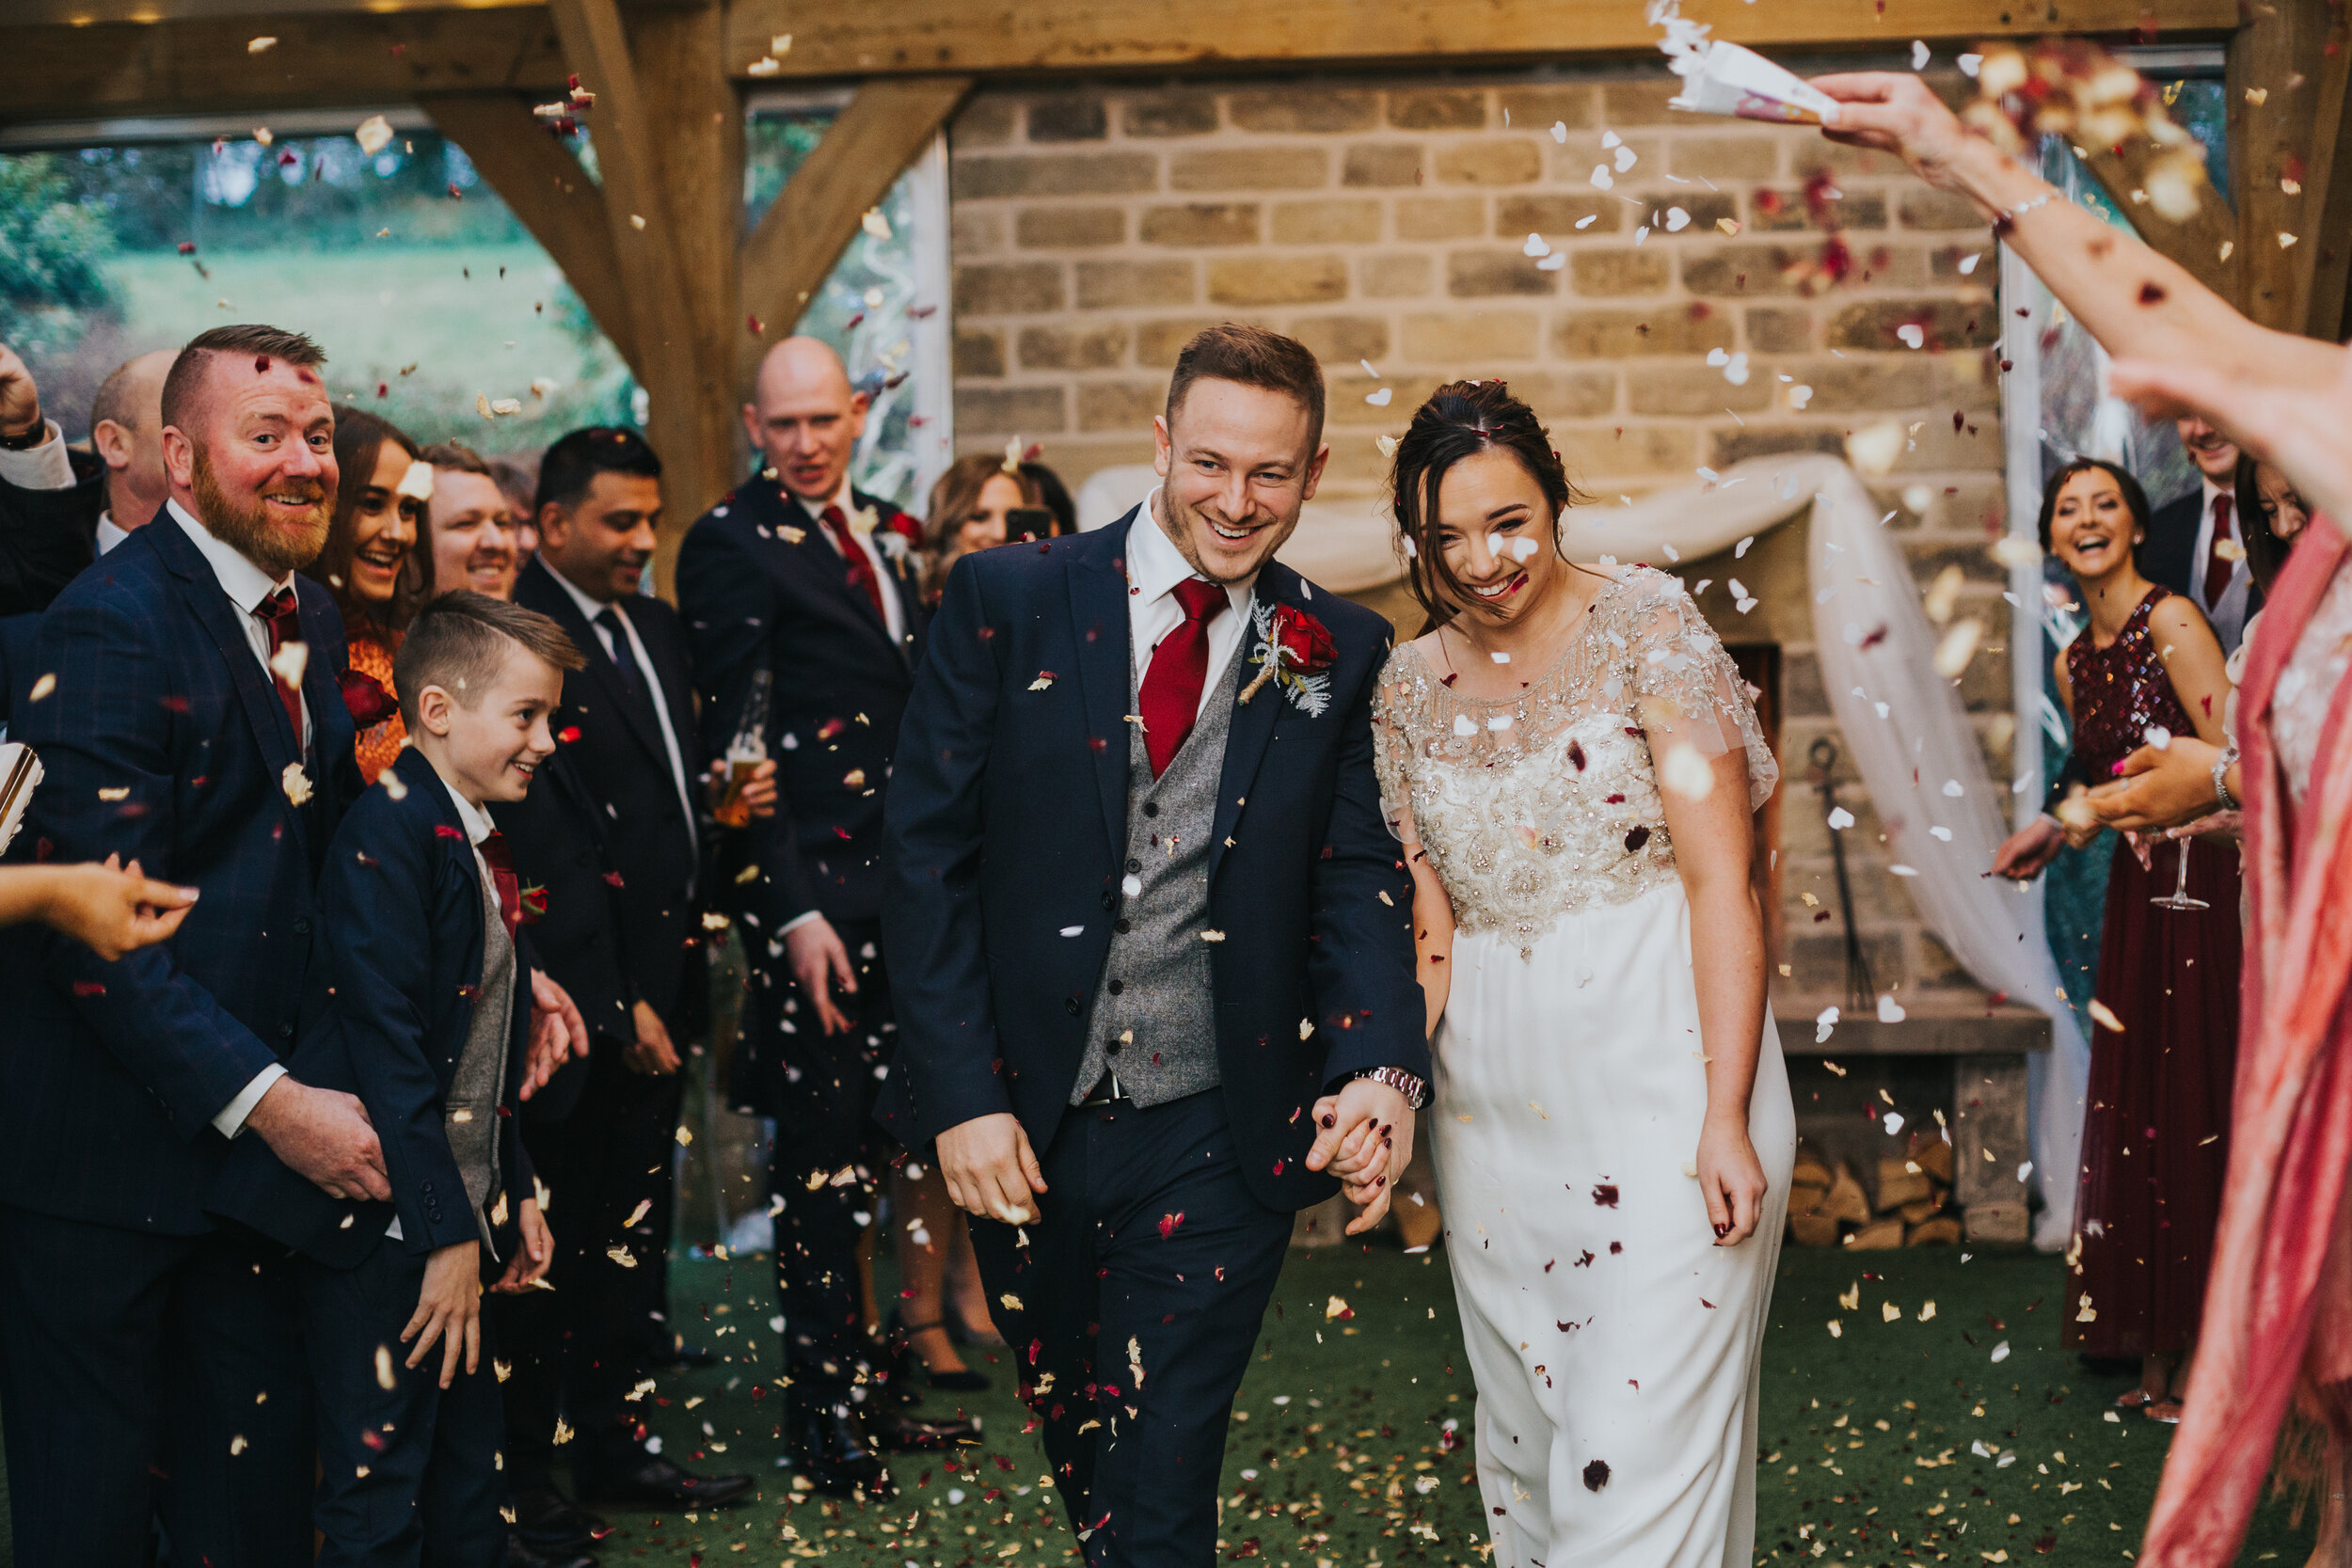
x,y
1151,938
148,1355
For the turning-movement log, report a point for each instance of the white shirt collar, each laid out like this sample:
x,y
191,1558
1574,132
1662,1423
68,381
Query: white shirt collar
x,y
477,821
841,498
108,534
241,580
1155,566
589,608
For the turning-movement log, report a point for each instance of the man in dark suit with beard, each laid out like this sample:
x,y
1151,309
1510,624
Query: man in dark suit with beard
x,y
151,1361
801,576
612,836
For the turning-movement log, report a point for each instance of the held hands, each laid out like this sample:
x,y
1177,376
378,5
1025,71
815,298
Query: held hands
x,y
530,1265
1365,1139
111,909
1731,1179
558,1033
990,1169
449,1309
820,961
324,1137
652,1055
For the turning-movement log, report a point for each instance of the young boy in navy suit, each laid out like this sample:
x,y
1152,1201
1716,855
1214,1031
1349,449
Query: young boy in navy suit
x,y
430,1028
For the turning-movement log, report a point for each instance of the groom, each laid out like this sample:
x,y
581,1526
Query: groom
x,y
1150,938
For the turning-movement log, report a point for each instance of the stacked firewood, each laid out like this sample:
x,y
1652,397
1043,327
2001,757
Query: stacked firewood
x,y
1909,1204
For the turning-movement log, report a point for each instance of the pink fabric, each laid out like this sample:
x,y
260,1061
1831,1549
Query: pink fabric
x,y
2282,1214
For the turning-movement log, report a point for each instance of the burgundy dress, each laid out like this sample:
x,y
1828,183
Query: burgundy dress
x,y
2156,1128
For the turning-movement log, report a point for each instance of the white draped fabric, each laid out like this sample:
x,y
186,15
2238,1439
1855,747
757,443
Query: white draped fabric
x,y
1904,727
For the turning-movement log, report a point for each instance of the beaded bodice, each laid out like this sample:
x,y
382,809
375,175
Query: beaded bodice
x,y
2120,692
1548,801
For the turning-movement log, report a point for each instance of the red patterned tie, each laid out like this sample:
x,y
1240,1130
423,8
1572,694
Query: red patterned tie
x,y
510,889
861,569
1180,667
279,614
2219,566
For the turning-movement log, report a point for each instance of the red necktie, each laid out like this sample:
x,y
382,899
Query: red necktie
x,y
861,569
510,891
2217,565
279,614
1179,666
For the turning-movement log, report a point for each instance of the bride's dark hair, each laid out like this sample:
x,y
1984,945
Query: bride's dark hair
x,y
1460,419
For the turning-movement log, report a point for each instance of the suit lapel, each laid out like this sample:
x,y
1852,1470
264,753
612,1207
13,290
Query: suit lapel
x,y
257,693
637,712
1253,721
1098,616
816,556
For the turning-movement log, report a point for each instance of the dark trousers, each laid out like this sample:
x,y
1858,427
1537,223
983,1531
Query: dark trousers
x,y
142,1374
827,1166
408,1475
579,1349
1143,1329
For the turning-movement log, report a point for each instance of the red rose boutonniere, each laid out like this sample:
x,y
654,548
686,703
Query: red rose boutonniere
x,y
535,905
369,702
1295,649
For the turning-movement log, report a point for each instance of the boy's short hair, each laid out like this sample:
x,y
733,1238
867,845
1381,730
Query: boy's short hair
x,y
459,639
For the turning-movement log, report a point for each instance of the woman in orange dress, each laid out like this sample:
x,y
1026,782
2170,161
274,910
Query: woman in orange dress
x,y
370,565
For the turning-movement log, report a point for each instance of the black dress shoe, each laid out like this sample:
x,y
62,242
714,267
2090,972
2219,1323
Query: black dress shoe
x,y
907,1366
835,1455
520,1554
895,1433
547,1523
655,1483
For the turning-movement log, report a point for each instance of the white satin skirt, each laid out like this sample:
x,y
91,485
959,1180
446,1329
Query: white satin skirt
x,y
1614,1345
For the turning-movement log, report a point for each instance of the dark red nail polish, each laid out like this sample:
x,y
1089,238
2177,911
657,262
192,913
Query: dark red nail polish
x,y
1331,1120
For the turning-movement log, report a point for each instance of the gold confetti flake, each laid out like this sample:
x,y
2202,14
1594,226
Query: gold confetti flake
x,y
1010,1303
621,1256
42,687
384,1378
2104,1017
262,45
296,783
1927,1312
373,135
644,1206
685,1137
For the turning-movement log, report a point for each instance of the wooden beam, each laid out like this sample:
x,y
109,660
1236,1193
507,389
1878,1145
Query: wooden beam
x,y
2195,246
544,186
204,65
638,219
2327,198
1028,36
700,158
817,213
2270,144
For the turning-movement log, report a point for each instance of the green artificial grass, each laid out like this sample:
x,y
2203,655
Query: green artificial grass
x,y
1340,1456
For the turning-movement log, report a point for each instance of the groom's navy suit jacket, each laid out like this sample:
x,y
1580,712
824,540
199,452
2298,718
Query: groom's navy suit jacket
x,y
163,741
1005,837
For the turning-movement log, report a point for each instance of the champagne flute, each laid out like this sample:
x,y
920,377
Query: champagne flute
x,y
2179,898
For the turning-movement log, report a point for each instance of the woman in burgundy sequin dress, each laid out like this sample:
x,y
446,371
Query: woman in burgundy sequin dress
x,y
2156,1121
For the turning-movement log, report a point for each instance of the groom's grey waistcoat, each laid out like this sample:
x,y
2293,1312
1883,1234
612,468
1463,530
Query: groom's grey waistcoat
x,y
1154,1018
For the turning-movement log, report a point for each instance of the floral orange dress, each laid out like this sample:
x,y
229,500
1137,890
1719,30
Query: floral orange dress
x,y
371,655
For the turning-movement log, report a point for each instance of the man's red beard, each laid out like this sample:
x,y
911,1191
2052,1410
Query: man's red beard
x,y
276,544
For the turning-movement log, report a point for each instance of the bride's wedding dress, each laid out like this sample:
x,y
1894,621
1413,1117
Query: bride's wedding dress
x,y
1613,1344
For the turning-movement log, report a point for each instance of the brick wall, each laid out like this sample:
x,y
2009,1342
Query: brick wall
x,y
1381,220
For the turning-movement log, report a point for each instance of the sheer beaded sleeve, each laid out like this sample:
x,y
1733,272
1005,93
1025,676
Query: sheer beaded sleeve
x,y
1684,686
1393,745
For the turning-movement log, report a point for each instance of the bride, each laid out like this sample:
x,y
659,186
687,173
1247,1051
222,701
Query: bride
x,y
1571,761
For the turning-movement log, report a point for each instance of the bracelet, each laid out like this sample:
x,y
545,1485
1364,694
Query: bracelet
x,y
2006,217
37,437
1416,1093
2221,767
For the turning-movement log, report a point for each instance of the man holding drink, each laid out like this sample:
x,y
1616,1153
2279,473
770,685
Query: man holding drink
x,y
800,586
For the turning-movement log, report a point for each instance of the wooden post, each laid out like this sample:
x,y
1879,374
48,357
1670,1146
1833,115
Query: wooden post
x,y
645,245
2195,246
2271,58
817,213
2327,198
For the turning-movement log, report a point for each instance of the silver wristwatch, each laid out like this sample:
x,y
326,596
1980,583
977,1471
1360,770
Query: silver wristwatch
x,y
2221,767
1416,1093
